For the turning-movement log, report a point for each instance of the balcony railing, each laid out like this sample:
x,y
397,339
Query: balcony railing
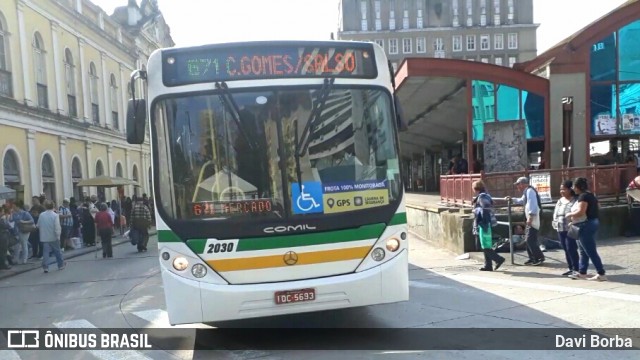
x,y
604,181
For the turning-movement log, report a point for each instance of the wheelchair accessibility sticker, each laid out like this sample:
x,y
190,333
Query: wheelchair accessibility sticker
x,y
307,200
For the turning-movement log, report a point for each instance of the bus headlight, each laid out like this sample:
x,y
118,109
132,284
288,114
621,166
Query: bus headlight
x,y
393,244
165,256
199,271
377,254
180,263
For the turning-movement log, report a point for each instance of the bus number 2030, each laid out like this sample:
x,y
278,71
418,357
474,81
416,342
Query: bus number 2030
x,y
220,248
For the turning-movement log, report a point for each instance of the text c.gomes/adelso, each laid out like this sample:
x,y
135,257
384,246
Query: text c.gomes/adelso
x,y
284,64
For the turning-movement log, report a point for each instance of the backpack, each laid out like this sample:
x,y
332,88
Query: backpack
x,y
539,200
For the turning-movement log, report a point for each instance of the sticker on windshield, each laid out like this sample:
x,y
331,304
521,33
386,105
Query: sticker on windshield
x,y
307,200
354,186
355,200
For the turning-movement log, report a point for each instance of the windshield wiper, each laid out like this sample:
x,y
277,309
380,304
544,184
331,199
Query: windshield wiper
x,y
301,149
234,110
302,144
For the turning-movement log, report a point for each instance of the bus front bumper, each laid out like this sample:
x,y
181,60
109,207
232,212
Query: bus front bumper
x,y
386,283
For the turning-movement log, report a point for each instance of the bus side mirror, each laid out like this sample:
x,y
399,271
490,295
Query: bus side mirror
x,y
136,119
400,119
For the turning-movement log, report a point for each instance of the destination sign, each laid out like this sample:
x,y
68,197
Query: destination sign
x,y
218,208
210,64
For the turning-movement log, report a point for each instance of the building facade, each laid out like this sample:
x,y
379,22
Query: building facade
x,y
595,89
499,32
65,67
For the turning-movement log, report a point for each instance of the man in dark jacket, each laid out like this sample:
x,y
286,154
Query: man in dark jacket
x,y
458,165
140,223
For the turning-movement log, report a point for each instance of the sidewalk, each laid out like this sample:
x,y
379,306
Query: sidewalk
x,y
68,254
619,255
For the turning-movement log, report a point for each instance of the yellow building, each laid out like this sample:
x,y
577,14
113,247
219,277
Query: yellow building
x,y
65,67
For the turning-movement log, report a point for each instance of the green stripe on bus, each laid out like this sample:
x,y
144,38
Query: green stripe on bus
x,y
197,245
168,236
398,219
265,243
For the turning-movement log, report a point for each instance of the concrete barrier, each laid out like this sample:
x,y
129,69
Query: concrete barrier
x,y
451,228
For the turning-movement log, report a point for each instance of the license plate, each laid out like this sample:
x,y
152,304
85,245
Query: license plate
x,y
294,296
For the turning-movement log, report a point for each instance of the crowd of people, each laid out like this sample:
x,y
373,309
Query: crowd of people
x,y
575,218
42,230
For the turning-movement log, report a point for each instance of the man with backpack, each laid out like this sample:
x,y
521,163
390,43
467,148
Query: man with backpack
x,y
532,206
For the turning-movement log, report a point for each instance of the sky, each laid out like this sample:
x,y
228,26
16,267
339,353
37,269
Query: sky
x,y
196,22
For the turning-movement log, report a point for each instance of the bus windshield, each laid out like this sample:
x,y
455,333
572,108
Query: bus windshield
x,y
275,152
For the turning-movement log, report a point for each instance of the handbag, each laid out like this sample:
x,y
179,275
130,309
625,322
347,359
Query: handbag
x,y
573,232
26,226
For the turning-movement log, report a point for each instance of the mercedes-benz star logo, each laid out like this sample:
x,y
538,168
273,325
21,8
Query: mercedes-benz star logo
x,y
290,258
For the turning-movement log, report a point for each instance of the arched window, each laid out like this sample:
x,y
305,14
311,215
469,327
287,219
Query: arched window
x,y
40,68
150,183
95,102
48,178
113,86
11,169
119,170
6,86
76,177
99,168
70,77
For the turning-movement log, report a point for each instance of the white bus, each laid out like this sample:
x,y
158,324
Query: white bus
x,y
276,177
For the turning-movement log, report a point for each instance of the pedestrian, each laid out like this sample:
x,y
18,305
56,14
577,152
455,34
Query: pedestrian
x,y
88,226
532,205
50,231
66,221
26,225
561,225
14,240
586,205
140,223
111,213
484,219
115,207
93,205
75,215
458,165
128,207
6,240
34,237
104,224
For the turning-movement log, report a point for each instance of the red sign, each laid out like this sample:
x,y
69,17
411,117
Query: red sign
x,y
213,208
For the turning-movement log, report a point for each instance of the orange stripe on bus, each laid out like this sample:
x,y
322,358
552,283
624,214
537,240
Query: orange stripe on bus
x,y
273,261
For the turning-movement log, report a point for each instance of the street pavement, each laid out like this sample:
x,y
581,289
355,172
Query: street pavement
x,y
126,292
33,264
